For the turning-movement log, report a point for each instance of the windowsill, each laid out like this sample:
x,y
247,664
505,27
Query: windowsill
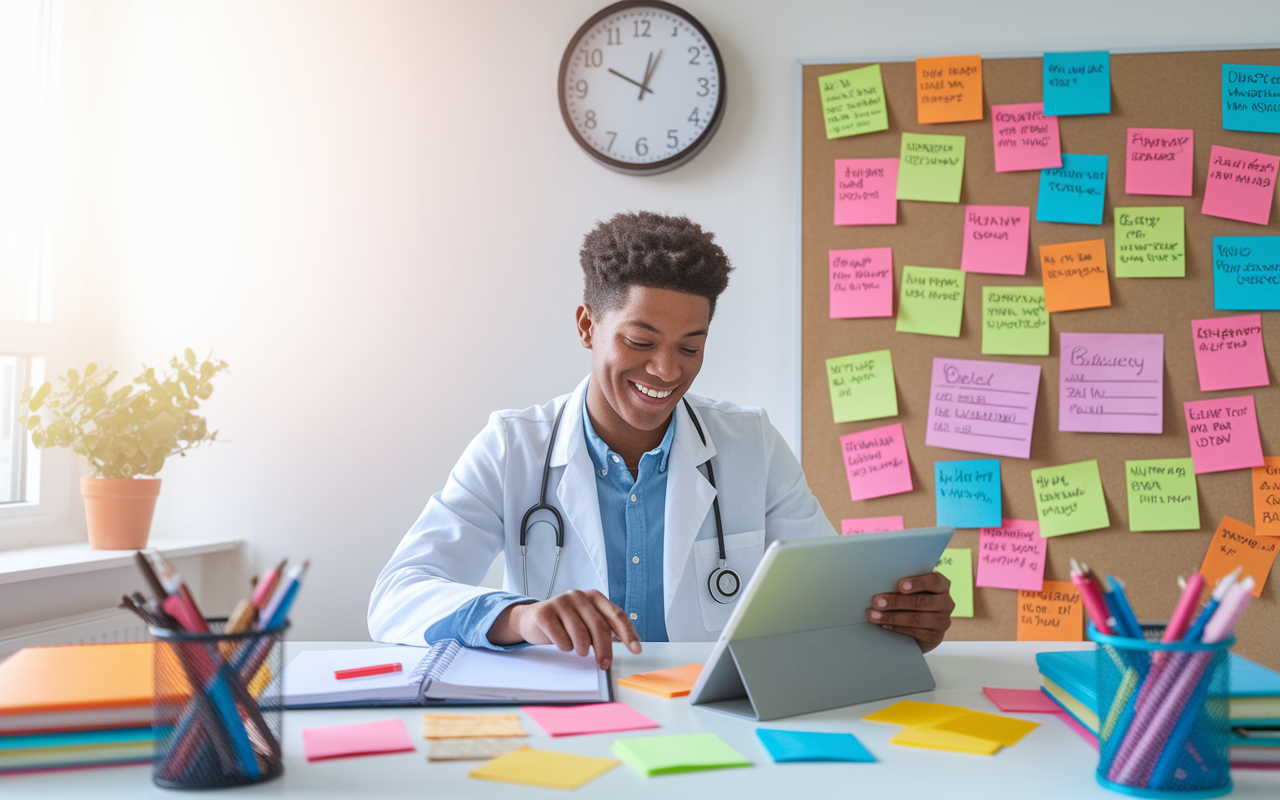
x,y
33,563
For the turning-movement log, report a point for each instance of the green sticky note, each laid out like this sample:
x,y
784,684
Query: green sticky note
x,y
930,167
862,386
1069,498
1150,242
931,301
1014,321
957,564
853,102
1162,495
663,755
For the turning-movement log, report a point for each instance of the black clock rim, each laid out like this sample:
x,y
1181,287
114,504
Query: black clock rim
x,y
679,158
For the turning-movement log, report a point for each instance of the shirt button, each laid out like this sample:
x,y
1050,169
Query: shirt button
x,y
635,559
635,616
604,472
615,459
633,498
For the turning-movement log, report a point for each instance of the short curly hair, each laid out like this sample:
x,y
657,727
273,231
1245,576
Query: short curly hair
x,y
651,250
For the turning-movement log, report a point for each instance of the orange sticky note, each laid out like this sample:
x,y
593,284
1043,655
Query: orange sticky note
x,y
1053,614
1266,498
674,682
1237,545
948,89
1075,275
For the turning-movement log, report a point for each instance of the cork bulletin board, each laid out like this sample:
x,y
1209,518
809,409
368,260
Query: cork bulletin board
x,y
1148,90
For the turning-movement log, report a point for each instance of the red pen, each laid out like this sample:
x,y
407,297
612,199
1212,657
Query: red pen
x,y
364,672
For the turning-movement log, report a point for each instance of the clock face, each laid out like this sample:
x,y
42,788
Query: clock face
x,y
642,87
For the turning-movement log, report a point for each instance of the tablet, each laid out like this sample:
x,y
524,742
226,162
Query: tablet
x,y
799,639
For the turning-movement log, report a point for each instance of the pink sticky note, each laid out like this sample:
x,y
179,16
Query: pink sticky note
x,y
1224,434
1022,701
1229,352
995,239
866,191
593,718
1111,382
367,738
871,525
1241,184
875,462
1078,729
1025,138
982,406
1158,161
861,282
1012,556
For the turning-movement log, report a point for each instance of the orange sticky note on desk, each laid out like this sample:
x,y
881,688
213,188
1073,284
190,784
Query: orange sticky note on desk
x,y
674,682
1266,497
1075,275
1053,614
1237,545
948,89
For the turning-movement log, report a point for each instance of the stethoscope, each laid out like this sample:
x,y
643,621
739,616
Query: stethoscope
x,y
723,583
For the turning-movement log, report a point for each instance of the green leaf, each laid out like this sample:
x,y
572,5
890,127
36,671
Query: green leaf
x,y
32,422
190,356
73,377
41,394
204,392
26,394
89,370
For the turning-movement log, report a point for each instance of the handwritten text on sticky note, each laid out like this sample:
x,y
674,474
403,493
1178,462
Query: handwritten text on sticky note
x,y
1111,382
1224,433
931,167
1246,273
931,301
995,239
1014,321
1053,614
1236,544
1069,498
1240,185
866,191
957,564
1159,161
1229,352
861,282
875,462
1266,497
862,386
968,493
1162,495
1012,555
1073,192
1251,98
982,406
1150,242
1075,275
948,89
853,102
1025,139
871,525
1077,83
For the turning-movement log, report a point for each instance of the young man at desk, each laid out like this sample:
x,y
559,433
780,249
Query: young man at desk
x,y
632,509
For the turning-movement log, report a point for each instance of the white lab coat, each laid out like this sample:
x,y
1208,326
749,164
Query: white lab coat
x,y
763,498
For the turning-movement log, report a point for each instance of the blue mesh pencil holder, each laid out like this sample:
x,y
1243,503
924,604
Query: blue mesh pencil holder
x,y
1162,715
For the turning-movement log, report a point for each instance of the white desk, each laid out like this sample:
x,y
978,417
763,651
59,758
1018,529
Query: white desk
x,y
1051,762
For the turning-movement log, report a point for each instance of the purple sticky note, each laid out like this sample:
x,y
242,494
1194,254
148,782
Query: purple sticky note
x,y
866,191
1159,161
1224,434
1021,701
1241,184
982,406
1012,556
995,239
871,525
593,718
875,462
1025,138
1229,353
1111,382
861,282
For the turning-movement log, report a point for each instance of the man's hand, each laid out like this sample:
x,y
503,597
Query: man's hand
x,y
922,609
575,620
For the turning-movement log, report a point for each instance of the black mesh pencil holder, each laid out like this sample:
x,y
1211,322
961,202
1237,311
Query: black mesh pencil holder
x,y
217,712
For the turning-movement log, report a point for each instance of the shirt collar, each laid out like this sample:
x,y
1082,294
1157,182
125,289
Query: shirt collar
x,y
602,456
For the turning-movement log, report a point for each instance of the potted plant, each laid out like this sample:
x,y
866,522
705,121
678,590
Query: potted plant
x,y
124,436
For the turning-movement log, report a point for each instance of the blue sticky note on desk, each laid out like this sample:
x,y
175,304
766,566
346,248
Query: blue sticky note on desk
x,y
1077,83
1250,98
805,746
968,493
1073,192
1246,273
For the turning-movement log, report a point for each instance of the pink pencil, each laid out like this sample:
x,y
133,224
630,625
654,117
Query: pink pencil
x,y
1185,610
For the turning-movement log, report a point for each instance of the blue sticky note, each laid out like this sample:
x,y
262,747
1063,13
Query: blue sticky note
x,y
804,746
968,493
1077,83
1073,192
1246,273
1250,98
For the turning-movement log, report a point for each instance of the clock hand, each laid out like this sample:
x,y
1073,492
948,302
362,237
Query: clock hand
x,y
648,73
628,80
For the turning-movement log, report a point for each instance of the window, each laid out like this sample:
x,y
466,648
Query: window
x,y
17,482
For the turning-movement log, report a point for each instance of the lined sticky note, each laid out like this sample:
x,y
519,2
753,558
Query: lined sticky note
x,y
866,191
1240,185
1246,273
664,755
1266,497
861,282
1075,275
1235,544
1224,433
1111,382
544,768
475,748
936,739
1151,242
853,102
1025,139
948,89
992,727
673,682
968,493
1229,352
1021,701
361,739
982,406
590,718
871,525
1012,556
1077,83
875,462
913,712
931,301
957,564
1053,614
1073,192
1159,161
458,726
1162,495
1014,321
1069,499
1251,98
862,386
791,746
930,167
995,239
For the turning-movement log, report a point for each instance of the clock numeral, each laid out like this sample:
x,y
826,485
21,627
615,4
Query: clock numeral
x,y
613,135
675,29
615,36
590,119
638,34
673,140
704,87
694,116
695,53
592,58
581,88
642,147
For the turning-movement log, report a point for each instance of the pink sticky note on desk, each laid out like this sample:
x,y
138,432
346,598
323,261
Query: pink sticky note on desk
x,y
367,738
1021,701
1025,138
861,282
866,191
1111,382
1224,434
593,718
875,462
982,406
1229,352
995,239
1012,556
1241,184
1077,728
1159,161
871,525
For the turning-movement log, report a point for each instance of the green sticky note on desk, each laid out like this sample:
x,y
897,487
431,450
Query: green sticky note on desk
x,y
1150,242
853,102
931,301
1014,321
957,564
1162,495
930,167
862,386
664,755
1069,498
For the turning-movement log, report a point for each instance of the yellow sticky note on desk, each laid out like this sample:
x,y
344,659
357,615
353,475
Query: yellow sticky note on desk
x,y
909,712
992,727
532,767
460,726
937,739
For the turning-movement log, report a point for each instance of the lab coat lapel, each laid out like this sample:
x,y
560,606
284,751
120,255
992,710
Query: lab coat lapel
x,y
689,497
576,493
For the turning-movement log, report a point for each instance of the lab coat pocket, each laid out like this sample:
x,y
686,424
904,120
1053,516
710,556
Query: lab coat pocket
x,y
743,552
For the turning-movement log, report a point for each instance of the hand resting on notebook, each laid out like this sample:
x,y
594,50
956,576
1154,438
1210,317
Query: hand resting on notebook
x,y
921,608
574,620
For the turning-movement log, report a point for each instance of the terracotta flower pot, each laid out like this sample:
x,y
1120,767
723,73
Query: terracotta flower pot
x,y
119,511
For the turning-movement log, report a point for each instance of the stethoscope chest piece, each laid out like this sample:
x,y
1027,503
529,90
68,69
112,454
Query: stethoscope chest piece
x,y
724,583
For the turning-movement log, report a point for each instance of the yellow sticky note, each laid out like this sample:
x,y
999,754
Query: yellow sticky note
x,y
544,768
909,712
459,726
992,727
937,739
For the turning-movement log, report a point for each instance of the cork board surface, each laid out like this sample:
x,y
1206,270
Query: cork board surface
x,y
1154,90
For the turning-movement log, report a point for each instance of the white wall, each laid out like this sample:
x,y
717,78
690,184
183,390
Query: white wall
x,y
372,210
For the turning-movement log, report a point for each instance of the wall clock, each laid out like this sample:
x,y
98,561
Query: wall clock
x,y
642,87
